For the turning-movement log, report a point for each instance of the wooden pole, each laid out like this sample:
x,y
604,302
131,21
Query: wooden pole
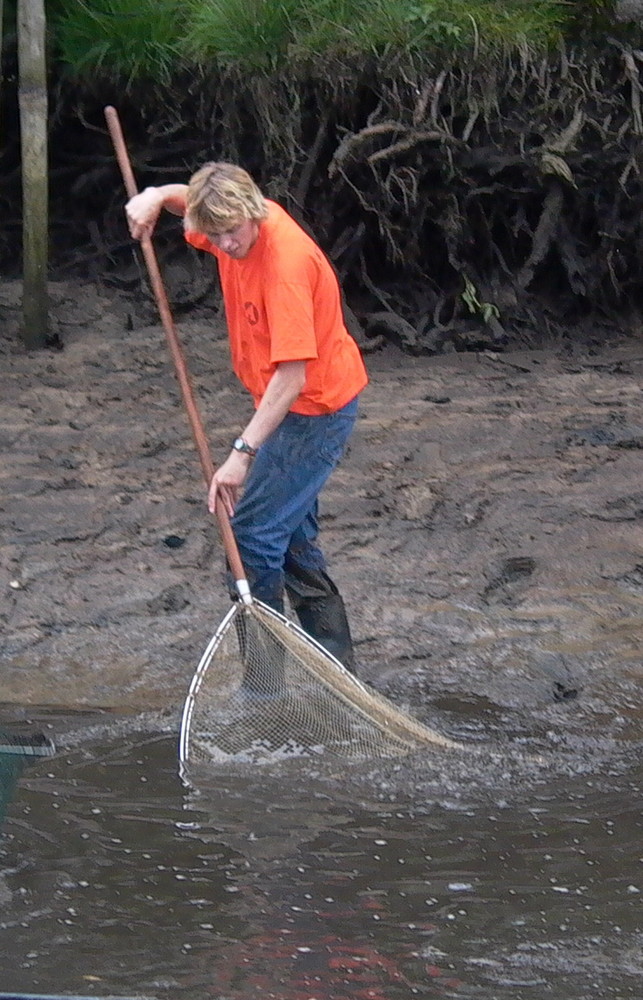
x,y
32,70
1,37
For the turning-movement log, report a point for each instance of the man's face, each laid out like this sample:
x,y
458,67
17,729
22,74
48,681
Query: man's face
x,y
237,241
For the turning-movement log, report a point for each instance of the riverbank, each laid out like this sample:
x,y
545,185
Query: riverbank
x,y
485,528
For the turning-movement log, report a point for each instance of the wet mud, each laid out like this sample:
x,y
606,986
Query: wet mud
x,y
485,527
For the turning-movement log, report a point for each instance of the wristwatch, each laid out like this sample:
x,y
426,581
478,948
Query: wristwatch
x,y
240,444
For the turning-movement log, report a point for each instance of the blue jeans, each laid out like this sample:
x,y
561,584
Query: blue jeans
x,y
276,518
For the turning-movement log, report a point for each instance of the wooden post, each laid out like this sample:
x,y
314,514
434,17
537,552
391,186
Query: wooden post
x,y
0,59
35,189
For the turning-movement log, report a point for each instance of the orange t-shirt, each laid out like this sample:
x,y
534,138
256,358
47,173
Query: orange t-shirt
x,y
282,303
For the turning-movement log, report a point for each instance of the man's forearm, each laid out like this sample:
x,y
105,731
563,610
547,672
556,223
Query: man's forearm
x,y
282,391
143,209
173,197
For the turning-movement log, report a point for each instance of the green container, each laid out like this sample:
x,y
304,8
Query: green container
x,y
11,766
15,749
58,996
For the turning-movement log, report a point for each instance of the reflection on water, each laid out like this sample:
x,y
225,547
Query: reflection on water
x,y
507,884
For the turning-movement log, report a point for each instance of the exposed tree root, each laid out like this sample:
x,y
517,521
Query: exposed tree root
x,y
468,207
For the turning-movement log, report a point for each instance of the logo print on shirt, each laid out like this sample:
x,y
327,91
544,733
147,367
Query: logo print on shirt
x,y
252,314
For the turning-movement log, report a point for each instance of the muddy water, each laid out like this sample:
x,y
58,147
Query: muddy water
x,y
497,873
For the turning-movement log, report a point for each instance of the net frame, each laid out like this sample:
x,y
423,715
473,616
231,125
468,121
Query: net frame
x,y
320,707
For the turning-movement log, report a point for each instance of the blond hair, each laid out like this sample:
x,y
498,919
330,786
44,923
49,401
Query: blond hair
x,y
222,195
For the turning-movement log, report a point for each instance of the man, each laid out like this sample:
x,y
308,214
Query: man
x,y
291,350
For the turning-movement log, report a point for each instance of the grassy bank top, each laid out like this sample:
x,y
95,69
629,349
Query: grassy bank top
x,y
156,39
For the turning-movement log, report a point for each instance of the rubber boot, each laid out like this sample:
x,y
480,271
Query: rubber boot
x,y
321,612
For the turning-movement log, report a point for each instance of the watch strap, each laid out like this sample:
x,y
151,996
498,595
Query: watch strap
x,y
240,444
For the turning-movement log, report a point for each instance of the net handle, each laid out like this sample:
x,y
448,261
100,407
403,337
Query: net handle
x,y
176,350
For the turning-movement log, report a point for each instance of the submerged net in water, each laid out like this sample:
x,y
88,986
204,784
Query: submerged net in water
x,y
265,690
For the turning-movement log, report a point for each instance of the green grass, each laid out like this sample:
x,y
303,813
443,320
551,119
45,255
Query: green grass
x,y
128,39
141,39
333,26
250,33
258,33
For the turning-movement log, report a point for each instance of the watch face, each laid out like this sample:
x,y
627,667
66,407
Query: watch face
x,y
240,445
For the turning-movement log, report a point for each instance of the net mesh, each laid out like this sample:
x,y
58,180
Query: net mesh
x,y
264,690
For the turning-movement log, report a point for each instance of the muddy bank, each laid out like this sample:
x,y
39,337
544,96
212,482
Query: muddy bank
x,y
486,527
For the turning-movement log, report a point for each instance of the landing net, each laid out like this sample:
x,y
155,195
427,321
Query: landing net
x,y
265,690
